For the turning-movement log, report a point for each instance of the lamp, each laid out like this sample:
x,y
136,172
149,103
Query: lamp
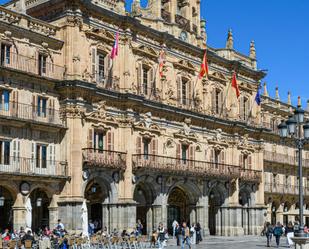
x,y
2,199
274,209
39,202
306,130
299,115
291,124
93,188
285,209
283,129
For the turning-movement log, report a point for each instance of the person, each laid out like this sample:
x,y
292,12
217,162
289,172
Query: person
x,y
174,224
28,236
278,233
46,232
193,234
161,235
198,233
268,232
139,227
289,231
6,235
14,235
60,226
90,228
185,236
21,232
177,233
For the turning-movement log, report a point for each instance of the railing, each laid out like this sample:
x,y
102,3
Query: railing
x,y
104,158
176,165
182,22
166,16
30,112
32,166
283,158
31,65
251,175
284,189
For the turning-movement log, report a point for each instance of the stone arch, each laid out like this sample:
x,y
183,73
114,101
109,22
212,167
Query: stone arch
x,y
189,187
246,196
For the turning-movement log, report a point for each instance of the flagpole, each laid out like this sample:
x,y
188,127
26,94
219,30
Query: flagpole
x,y
194,87
227,91
251,109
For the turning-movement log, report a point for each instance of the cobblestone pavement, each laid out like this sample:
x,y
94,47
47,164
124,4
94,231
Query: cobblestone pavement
x,y
247,242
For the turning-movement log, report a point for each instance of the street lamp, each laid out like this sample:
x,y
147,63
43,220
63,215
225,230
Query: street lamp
x,y
292,128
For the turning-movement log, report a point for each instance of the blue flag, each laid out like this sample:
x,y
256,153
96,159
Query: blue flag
x,y
258,99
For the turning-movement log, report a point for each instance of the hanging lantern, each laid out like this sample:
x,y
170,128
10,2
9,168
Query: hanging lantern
x,y
2,199
39,202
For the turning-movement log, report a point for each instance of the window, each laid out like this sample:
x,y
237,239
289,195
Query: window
x,y
184,153
5,54
244,107
146,144
217,99
42,64
5,152
101,67
4,100
98,140
274,179
41,156
145,72
41,106
184,91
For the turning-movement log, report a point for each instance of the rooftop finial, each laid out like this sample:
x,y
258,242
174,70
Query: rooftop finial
x,y
277,93
307,109
298,101
265,90
252,50
289,98
230,40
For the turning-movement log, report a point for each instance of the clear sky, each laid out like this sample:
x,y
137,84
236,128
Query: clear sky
x,y
280,29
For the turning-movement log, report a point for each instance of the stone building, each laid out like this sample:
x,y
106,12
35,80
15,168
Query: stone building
x,y
134,139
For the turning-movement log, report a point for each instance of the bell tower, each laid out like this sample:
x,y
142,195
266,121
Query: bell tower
x,y
180,18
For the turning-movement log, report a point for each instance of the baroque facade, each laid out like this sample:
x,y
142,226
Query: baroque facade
x,y
133,142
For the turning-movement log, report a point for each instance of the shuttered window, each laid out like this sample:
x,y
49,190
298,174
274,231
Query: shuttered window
x,y
101,67
217,100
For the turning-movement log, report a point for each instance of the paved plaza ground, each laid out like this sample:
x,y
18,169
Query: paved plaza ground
x,y
247,242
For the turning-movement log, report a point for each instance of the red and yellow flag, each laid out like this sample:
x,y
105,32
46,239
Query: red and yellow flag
x,y
204,66
161,62
235,85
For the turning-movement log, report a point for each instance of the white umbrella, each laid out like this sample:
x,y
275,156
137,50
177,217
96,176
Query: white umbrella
x,y
28,213
84,219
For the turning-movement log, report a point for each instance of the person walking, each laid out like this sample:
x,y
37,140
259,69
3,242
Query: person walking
x,y
174,224
198,233
161,236
289,231
139,227
268,232
193,234
278,231
185,236
177,233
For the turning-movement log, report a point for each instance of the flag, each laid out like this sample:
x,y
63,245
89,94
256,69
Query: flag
x,y
161,62
235,85
258,99
204,66
114,52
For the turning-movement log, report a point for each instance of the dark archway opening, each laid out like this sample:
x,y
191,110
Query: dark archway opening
x,y
40,212
6,211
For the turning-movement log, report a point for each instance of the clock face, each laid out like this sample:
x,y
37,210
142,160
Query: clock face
x,y
183,36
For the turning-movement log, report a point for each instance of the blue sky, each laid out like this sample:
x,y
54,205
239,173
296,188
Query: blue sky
x,y
280,29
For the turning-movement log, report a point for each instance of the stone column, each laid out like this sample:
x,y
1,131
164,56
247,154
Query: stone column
x,y
150,225
202,214
160,210
19,212
53,211
105,217
193,214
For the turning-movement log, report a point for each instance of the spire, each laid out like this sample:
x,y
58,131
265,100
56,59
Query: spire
x,y
230,40
265,90
298,101
277,93
289,98
252,50
23,6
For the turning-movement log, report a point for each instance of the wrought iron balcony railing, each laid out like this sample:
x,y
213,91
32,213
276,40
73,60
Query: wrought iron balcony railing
x,y
33,66
32,166
30,112
251,175
180,166
283,159
104,159
284,189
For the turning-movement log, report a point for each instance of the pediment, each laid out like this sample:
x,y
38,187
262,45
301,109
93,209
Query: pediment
x,y
100,115
101,34
186,65
148,51
143,126
218,76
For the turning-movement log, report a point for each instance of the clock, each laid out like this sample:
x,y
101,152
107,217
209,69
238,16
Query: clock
x,y
24,188
183,36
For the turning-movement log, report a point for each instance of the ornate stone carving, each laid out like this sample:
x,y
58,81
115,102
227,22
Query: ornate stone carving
x,y
72,111
147,125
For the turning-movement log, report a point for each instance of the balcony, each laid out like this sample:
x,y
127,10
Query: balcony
x,y
33,66
250,175
32,167
171,165
182,22
95,158
283,159
166,16
14,110
284,189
